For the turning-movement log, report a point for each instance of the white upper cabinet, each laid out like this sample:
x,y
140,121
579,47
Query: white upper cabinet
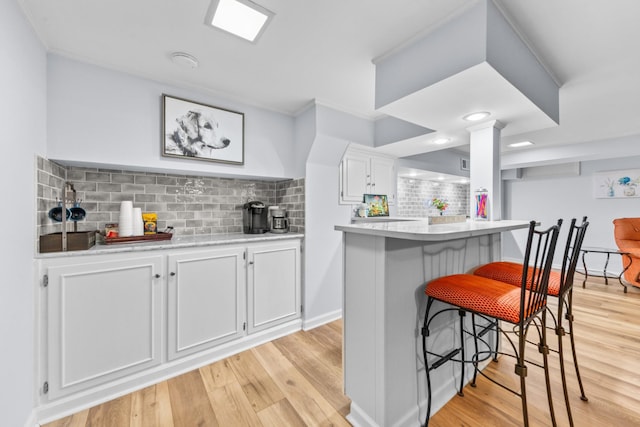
x,y
383,173
366,172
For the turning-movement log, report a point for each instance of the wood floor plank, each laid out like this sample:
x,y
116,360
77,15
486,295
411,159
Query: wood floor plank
x,y
232,406
218,374
257,384
78,419
280,414
307,401
164,413
143,408
310,359
190,404
114,413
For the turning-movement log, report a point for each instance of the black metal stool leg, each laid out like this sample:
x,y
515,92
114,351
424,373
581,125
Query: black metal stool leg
x,y
569,317
462,315
560,333
442,359
544,349
427,370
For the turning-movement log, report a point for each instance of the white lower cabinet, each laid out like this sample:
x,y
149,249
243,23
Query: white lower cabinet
x,y
109,320
206,299
104,322
273,284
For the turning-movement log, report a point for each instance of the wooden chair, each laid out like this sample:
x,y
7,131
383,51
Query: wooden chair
x,y
521,307
560,287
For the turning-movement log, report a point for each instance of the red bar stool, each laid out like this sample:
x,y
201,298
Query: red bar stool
x,y
522,307
561,287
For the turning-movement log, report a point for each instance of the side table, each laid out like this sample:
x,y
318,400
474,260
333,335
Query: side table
x,y
586,249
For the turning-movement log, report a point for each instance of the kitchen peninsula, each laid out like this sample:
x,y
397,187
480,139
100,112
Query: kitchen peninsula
x,y
386,265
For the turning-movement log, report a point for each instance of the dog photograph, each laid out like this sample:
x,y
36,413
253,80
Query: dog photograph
x,y
202,132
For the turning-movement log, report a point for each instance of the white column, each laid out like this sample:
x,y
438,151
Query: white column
x,y
485,166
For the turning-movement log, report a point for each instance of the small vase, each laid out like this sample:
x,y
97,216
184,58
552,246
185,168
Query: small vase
x,y
440,213
629,190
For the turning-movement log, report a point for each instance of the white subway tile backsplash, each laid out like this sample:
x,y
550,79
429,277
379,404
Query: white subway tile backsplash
x,y
414,196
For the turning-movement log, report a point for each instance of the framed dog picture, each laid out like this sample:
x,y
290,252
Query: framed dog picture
x,y
203,132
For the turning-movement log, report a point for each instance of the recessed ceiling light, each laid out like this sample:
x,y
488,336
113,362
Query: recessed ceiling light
x,y
441,141
520,144
474,117
242,18
184,59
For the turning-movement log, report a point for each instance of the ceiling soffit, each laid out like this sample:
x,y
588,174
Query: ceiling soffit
x,y
473,62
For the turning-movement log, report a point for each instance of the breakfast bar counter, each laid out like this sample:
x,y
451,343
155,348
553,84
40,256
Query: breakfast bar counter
x,y
386,265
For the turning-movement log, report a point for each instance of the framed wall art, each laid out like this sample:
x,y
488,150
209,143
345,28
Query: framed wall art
x,y
377,204
617,184
198,131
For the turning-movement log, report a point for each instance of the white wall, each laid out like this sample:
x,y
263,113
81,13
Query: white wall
x,y
548,198
323,245
111,118
24,117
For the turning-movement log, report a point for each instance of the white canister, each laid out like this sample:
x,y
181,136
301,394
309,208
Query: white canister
x,y
125,221
138,223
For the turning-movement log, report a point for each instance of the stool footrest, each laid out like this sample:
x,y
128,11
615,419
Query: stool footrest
x,y
444,359
486,329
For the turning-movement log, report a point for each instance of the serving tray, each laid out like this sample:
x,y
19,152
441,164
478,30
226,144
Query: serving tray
x,y
138,239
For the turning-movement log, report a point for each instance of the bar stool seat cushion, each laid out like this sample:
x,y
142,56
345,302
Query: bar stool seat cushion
x,y
511,273
478,294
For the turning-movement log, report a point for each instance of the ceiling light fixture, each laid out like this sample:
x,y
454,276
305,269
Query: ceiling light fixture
x,y
440,141
242,18
477,116
520,144
184,59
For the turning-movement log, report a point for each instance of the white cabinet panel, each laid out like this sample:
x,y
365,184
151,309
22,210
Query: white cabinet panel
x,y
355,177
383,172
205,299
274,284
104,322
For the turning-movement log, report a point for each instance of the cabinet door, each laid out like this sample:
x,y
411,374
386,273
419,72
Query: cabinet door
x,y
383,180
104,322
274,284
205,299
355,173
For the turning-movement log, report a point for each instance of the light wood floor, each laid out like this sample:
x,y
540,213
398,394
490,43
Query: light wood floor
x,y
297,381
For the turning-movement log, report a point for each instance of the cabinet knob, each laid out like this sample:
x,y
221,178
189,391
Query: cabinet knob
x,y
172,274
157,276
250,262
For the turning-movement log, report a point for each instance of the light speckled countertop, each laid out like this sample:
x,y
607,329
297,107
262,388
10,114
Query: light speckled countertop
x,y
177,242
422,230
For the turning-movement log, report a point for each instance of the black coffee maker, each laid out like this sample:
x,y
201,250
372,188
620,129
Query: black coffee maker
x,y
254,218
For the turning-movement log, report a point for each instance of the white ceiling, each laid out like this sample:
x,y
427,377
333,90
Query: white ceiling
x,y
323,51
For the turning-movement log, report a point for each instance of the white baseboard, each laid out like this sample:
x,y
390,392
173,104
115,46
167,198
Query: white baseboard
x,y
358,418
308,324
31,421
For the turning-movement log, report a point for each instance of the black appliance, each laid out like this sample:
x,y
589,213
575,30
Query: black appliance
x,y
254,218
